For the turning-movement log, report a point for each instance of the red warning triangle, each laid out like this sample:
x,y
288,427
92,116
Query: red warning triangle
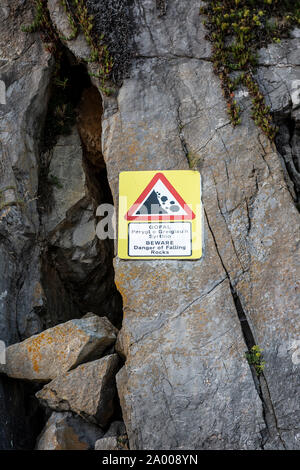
x,y
159,201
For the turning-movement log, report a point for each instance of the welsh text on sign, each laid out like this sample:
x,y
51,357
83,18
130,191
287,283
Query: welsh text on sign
x,y
160,215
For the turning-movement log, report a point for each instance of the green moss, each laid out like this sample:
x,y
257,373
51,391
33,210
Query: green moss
x,y
72,22
193,159
254,358
54,180
42,23
237,29
99,50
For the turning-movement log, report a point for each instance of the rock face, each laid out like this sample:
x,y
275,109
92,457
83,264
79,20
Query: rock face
x,y
88,390
25,72
66,169
186,383
43,357
64,431
279,78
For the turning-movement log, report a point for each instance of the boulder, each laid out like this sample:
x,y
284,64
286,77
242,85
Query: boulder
x,y
107,443
89,390
64,431
114,439
117,428
43,357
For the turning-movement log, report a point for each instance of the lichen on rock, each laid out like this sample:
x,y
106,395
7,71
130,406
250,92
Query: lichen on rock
x,y
145,96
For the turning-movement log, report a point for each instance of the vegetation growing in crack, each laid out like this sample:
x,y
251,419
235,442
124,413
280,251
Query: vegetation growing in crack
x,y
42,23
67,83
110,22
193,159
254,358
237,29
54,180
61,116
122,442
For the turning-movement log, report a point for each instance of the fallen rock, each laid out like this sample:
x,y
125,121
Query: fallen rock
x,y
64,431
88,390
115,438
117,428
107,443
53,352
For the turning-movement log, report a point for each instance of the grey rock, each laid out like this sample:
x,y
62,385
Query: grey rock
x,y
66,170
25,70
77,44
59,18
117,428
89,390
279,78
171,108
34,295
64,431
114,439
164,35
186,383
44,356
107,443
77,261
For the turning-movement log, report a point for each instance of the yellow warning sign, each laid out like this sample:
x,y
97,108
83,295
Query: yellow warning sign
x,y
160,215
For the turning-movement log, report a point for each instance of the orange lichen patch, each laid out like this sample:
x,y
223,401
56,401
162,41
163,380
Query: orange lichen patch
x,y
72,441
57,338
34,352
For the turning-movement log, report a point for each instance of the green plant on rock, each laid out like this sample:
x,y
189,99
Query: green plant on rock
x,y
254,358
237,29
193,159
99,50
61,116
42,23
55,181
79,19
72,22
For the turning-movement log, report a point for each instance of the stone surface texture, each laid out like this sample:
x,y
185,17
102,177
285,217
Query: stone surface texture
x,y
107,443
43,357
88,390
64,431
25,69
186,383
